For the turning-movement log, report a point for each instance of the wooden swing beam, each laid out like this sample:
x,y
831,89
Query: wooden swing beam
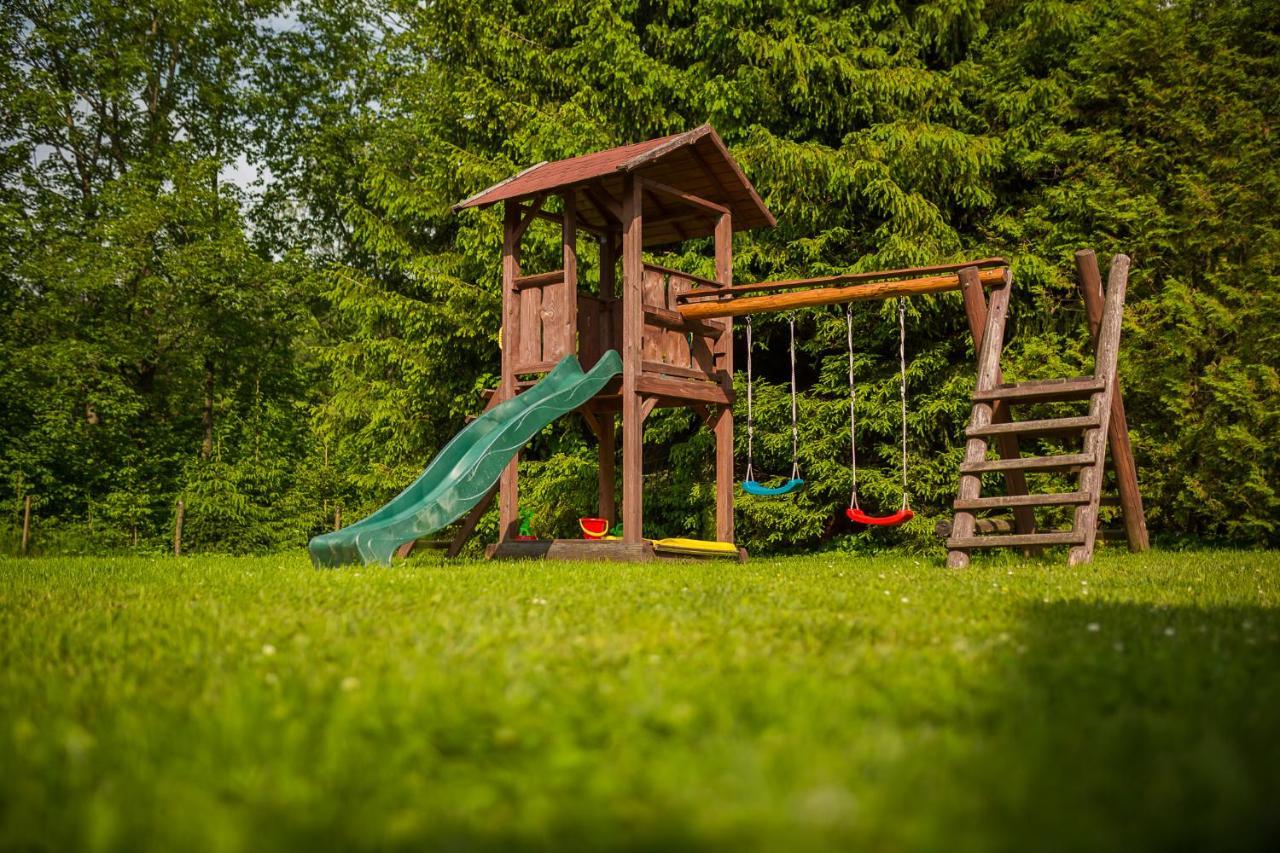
x,y
820,291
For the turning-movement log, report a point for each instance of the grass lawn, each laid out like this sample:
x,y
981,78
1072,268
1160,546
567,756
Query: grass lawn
x,y
246,704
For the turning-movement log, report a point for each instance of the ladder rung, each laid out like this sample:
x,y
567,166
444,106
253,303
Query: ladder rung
x,y
1006,501
1064,462
1077,388
1017,540
1049,426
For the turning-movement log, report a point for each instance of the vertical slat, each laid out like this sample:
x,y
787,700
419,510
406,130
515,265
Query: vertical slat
x,y
724,419
530,337
976,448
1122,461
654,294
975,309
562,326
588,332
677,343
508,519
632,334
1095,441
607,447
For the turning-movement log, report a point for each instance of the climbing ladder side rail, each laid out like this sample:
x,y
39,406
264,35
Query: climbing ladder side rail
x,y
976,447
1106,357
1122,461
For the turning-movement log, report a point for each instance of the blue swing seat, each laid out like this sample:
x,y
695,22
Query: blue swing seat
x,y
751,487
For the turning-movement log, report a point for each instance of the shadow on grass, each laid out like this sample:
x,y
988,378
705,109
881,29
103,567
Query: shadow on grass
x,y
1121,727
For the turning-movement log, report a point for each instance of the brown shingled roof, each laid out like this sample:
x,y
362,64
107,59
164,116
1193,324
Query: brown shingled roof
x,y
695,161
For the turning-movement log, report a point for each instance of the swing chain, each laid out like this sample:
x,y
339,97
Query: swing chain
x,y
751,428
902,388
853,418
795,435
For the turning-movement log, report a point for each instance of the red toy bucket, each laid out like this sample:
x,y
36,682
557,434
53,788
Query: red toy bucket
x,y
594,528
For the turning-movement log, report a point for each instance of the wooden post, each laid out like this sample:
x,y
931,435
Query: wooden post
x,y
975,309
1122,461
569,292
1100,406
509,486
976,448
177,528
607,477
26,523
632,333
724,361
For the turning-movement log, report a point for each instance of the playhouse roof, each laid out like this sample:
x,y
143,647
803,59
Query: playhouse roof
x,y
695,161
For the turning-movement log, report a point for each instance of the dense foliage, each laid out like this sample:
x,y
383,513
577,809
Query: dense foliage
x,y
269,352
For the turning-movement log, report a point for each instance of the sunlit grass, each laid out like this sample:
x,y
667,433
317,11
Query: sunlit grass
x,y
245,704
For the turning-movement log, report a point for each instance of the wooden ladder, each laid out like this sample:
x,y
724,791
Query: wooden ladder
x,y
1103,426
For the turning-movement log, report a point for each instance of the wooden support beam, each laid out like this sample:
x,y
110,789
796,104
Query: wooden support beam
x,y
508,518
714,290
975,309
743,305
676,322
601,200
682,274
541,279
724,419
1122,461
632,335
710,207
528,214
976,447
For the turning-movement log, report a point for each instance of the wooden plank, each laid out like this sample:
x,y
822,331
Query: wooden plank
x,y
1061,462
975,308
845,278
528,214
675,348
739,306
696,373
655,300
1095,442
982,525
672,271
567,327
683,389
468,528
1010,501
1044,391
724,349
508,518
632,335
606,480
608,268
573,550
541,279
976,448
675,321
530,325
588,331
710,207
1065,537
1047,426
1122,460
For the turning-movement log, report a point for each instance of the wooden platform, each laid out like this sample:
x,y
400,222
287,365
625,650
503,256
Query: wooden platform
x,y
590,550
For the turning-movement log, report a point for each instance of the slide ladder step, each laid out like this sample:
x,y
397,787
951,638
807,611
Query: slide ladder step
x,y
1017,540
1052,390
1063,462
1048,426
1008,501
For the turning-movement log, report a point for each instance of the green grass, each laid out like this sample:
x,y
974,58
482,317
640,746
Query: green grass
x,y
248,704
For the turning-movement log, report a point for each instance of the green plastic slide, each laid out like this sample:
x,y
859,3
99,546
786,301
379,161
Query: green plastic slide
x,y
466,468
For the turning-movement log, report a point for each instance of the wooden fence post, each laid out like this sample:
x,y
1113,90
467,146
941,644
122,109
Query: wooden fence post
x,y
177,529
26,523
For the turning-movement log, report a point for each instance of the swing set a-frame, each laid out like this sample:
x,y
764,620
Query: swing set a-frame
x,y
673,331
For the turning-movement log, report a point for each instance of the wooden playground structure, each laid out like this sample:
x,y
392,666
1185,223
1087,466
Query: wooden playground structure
x,y
674,331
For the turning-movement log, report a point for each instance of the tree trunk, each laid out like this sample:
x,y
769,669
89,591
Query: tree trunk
x,y
206,415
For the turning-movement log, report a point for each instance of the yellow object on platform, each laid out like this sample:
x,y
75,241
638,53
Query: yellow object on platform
x,y
699,547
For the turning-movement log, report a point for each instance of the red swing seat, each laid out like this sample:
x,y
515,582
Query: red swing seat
x,y
857,516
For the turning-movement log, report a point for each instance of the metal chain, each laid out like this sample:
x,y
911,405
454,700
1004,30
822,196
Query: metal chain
x,y
902,387
795,435
853,419
751,426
